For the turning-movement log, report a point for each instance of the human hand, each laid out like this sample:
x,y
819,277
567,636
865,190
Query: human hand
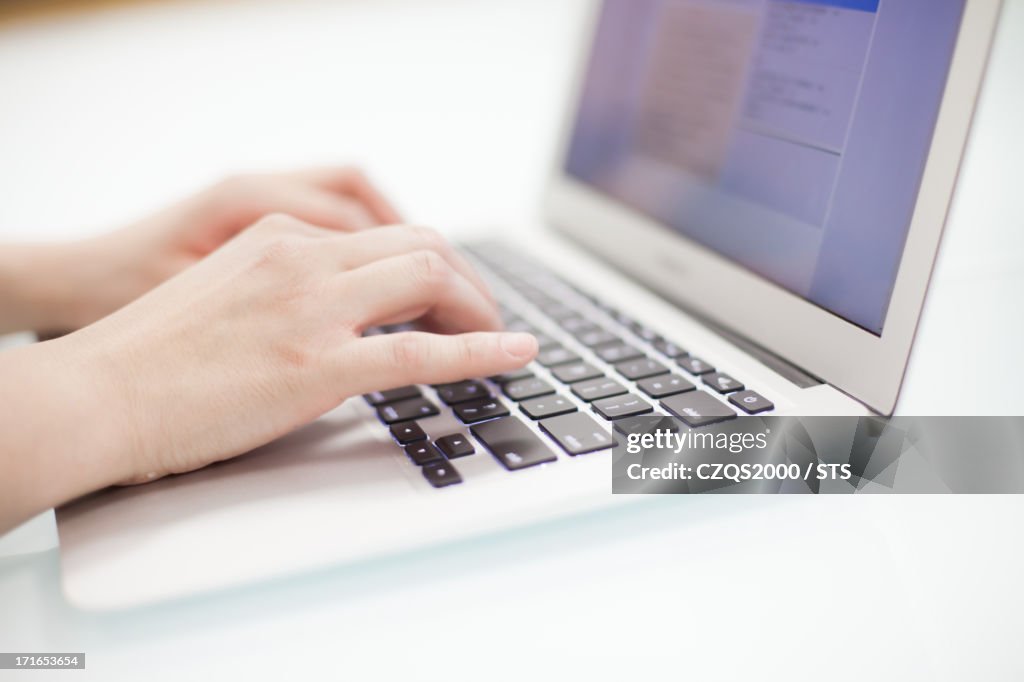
x,y
265,335
69,286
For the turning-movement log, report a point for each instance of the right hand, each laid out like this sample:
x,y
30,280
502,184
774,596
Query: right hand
x,y
68,286
265,335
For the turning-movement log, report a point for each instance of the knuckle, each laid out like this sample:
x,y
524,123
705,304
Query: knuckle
x,y
282,251
409,351
430,269
469,352
296,354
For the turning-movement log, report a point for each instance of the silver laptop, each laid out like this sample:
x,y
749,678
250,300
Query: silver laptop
x,y
743,218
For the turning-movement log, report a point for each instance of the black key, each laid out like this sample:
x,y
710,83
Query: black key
x,y
618,352
623,319
407,432
751,402
698,409
407,410
513,444
538,297
394,395
547,406
527,388
462,392
423,454
396,328
520,325
645,333
455,445
665,385
595,389
578,325
597,337
621,406
577,433
580,371
642,368
514,375
544,341
511,320
723,383
441,475
557,356
585,294
668,348
559,311
480,410
628,427
695,366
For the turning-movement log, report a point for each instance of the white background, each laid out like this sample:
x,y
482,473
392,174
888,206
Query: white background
x,y
452,105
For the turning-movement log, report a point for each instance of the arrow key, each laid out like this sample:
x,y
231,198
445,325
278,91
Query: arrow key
x,y
441,475
455,445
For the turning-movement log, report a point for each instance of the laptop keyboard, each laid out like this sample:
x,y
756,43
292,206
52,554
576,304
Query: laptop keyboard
x,y
596,365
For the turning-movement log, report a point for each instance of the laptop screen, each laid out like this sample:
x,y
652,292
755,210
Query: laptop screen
x,y
787,135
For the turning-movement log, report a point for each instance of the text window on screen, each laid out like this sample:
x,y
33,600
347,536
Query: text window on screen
x,y
736,90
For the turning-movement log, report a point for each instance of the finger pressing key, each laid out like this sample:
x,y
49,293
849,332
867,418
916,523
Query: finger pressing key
x,y
392,360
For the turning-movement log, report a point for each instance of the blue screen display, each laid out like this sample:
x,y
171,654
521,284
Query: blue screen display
x,y
787,135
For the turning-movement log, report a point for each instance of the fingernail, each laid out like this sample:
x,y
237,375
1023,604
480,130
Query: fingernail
x,y
519,345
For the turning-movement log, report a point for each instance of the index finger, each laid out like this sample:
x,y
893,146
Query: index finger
x,y
391,360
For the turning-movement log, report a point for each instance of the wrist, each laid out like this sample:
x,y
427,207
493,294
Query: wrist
x,y
66,286
62,434
32,296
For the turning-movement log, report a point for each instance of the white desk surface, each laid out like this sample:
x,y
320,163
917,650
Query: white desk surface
x,y
452,105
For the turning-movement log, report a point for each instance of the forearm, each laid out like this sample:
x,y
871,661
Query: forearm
x,y
58,434
66,286
35,294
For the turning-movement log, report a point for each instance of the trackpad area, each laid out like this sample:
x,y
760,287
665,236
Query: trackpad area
x,y
235,520
340,449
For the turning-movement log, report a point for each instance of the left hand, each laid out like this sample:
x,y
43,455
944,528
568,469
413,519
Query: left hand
x,y
92,278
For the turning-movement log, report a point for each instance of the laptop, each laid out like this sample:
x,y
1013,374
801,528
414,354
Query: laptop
x,y
743,217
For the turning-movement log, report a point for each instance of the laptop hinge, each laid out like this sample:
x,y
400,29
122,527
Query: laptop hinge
x,y
779,365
